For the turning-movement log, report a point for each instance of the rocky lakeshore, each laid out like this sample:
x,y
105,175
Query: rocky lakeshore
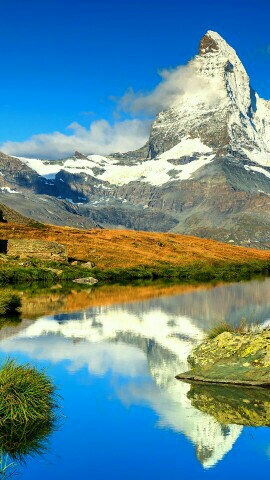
x,y
232,358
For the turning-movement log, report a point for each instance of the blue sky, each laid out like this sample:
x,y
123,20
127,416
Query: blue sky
x,y
66,61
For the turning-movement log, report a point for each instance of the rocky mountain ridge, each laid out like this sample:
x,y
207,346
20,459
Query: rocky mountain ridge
x,y
204,171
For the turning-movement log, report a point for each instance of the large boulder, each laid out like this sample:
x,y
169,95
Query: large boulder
x,y
232,358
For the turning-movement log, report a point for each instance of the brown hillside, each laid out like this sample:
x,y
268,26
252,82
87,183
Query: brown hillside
x,y
126,248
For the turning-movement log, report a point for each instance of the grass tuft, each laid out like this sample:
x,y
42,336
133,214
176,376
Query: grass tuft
x,y
219,328
26,395
242,328
28,414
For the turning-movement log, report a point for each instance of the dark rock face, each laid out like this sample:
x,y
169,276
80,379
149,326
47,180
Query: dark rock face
x,y
79,155
207,45
130,217
43,208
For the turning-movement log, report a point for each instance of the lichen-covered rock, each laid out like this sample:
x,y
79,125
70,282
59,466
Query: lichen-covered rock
x,y
232,405
232,358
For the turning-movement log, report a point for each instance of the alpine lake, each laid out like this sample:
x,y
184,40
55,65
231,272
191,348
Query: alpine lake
x,y
113,353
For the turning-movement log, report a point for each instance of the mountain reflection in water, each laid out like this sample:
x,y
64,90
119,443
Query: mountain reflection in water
x,y
148,342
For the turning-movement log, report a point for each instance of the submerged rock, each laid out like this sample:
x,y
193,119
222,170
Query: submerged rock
x,y
232,358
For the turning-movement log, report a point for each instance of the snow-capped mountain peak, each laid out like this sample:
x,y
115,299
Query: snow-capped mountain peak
x,y
220,108
216,112
205,169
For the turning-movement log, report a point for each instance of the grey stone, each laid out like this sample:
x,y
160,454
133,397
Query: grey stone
x,y
86,280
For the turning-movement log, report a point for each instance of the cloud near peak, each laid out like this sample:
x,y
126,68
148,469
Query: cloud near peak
x,y
176,86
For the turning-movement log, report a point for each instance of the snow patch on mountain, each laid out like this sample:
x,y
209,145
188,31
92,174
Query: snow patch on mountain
x,y
155,171
188,146
8,190
188,170
258,169
44,168
258,156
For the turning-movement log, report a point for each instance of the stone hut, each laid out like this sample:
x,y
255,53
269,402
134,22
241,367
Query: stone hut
x,y
36,249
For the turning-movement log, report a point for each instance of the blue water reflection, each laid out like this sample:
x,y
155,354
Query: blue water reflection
x,y
126,415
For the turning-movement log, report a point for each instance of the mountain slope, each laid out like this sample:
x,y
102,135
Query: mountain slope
x,y
32,196
8,215
204,171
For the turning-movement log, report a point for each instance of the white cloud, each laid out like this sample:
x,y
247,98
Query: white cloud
x,y
176,85
100,138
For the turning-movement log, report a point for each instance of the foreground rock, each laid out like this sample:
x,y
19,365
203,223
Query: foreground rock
x,y
232,358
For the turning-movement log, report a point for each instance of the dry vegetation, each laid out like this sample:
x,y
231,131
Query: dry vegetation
x,y
128,248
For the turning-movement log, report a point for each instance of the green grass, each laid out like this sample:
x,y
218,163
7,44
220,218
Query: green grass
x,y
48,273
242,328
199,272
26,395
9,303
28,414
219,328
28,406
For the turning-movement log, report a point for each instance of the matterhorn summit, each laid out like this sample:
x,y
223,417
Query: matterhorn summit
x,y
205,169
224,112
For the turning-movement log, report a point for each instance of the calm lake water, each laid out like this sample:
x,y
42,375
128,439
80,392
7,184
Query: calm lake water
x,y
127,418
